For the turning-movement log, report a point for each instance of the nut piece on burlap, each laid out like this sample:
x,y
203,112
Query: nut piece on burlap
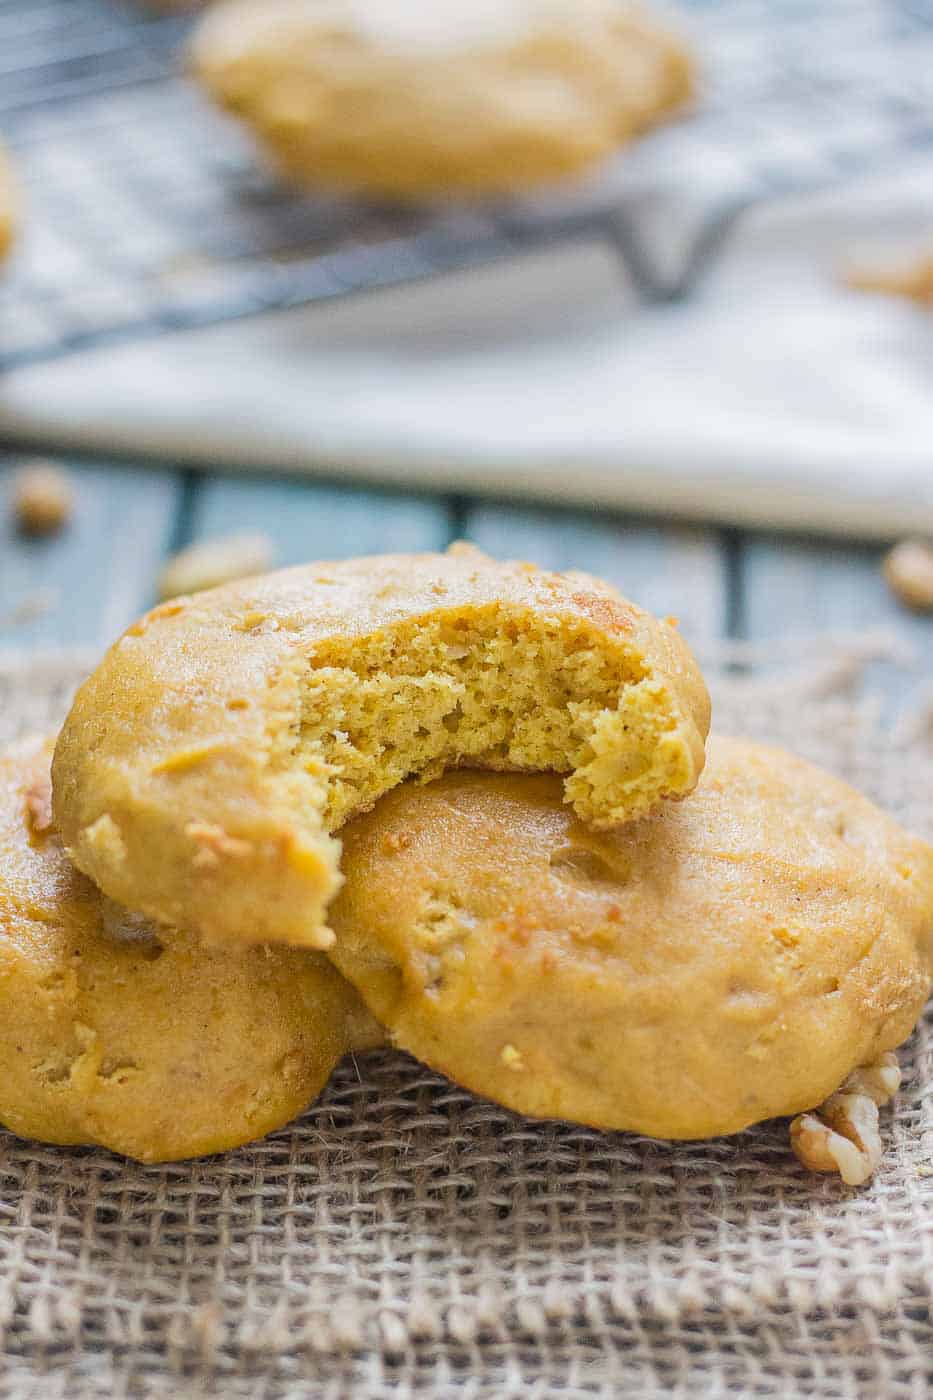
x,y
843,1135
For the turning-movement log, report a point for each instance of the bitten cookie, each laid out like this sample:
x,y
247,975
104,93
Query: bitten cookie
x,y
408,100
723,961
152,1046
226,734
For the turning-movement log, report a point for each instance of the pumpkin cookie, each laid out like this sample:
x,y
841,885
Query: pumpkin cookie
x,y
416,99
723,961
225,735
152,1046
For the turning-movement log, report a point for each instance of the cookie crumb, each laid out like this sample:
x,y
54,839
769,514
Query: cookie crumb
x,y
42,498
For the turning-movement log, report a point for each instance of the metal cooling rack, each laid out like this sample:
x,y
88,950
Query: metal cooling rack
x,y
147,211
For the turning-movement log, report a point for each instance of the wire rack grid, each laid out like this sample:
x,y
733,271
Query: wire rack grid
x,y
148,211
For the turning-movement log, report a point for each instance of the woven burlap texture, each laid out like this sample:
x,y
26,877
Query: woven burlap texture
x,y
407,1238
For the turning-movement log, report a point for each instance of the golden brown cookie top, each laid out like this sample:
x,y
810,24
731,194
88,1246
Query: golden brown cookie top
x,y
225,735
112,1033
724,960
413,100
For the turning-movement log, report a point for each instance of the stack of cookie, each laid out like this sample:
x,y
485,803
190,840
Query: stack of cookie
x,y
465,807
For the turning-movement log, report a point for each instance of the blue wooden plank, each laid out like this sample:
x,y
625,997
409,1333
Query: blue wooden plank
x,y
797,588
82,586
311,520
672,571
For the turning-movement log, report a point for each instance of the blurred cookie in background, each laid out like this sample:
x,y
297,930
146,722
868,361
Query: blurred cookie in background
x,y
405,100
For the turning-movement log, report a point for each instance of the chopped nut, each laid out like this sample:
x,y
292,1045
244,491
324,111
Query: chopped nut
x,y
185,759
880,1080
910,277
208,563
512,1058
251,620
908,569
213,842
38,797
842,1134
844,1138
105,837
42,498
393,842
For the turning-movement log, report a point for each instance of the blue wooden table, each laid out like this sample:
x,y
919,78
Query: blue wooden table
x,y
81,587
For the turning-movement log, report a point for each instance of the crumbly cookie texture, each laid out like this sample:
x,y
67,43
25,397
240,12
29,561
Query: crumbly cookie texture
x,y
7,206
406,99
117,1035
725,960
225,736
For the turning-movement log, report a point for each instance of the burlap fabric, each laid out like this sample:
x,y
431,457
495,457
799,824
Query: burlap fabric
x,y
405,1237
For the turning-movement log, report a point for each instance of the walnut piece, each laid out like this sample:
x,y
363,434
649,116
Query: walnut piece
x,y
42,498
213,843
842,1134
208,563
38,797
910,277
908,571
